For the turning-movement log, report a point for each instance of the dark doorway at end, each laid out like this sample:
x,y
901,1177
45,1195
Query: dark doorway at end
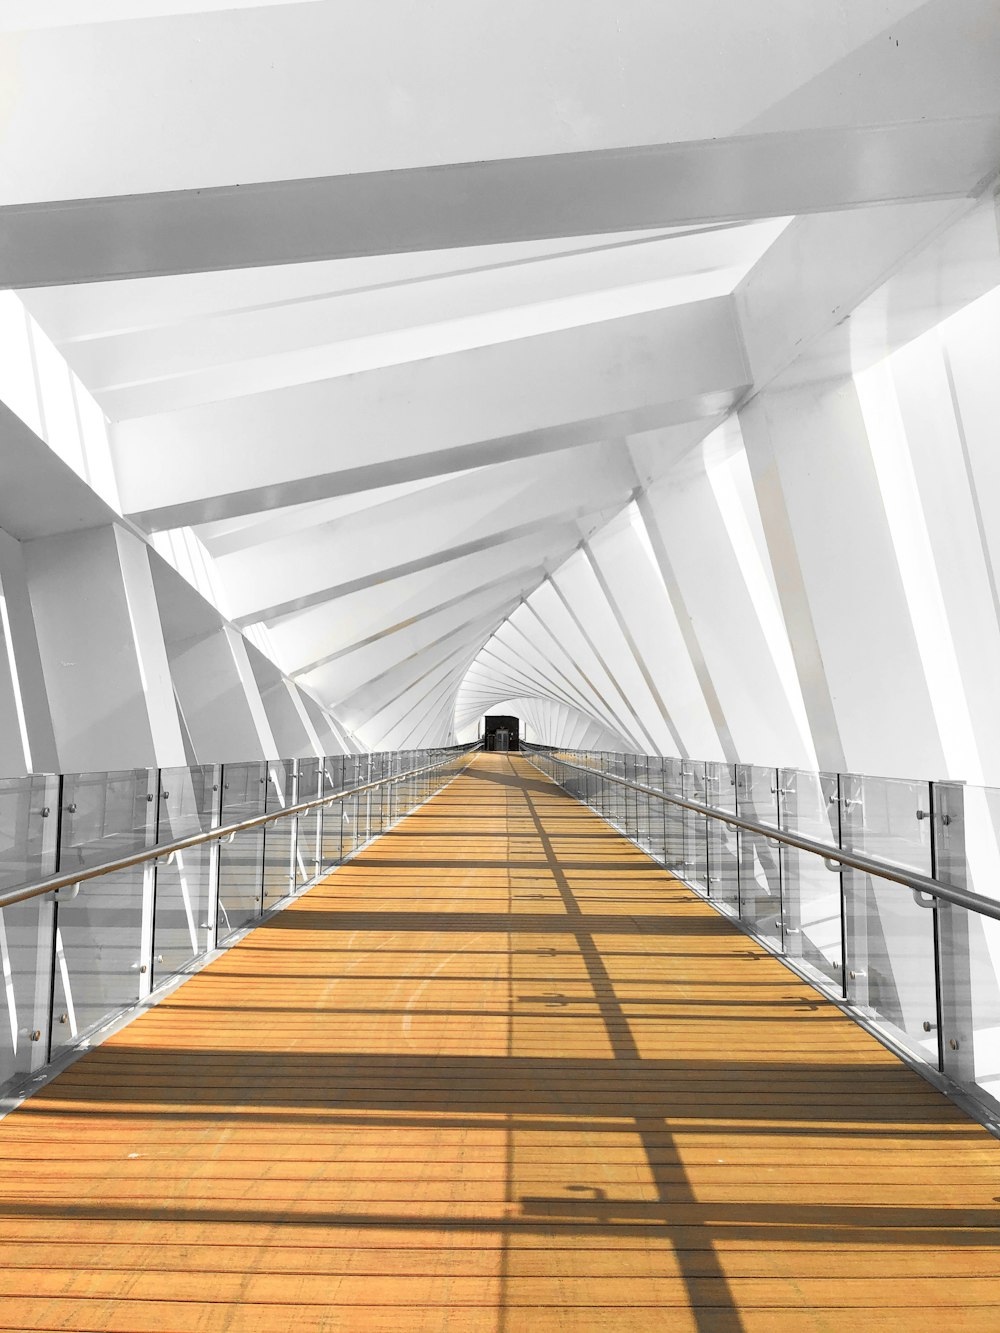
x,y
501,733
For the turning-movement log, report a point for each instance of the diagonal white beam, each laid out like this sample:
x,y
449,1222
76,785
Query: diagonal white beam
x,y
368,701
602,661
523,579
497,683
449,674
326,628
470,627
605,710
421,419
586,705
728,179
534,678
633,648
555,525
468,514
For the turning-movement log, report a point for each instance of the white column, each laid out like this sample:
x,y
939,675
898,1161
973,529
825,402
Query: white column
x,y
220,698
314,746
287,723
726,606
27,743
102,652
839,582
331,742
292,732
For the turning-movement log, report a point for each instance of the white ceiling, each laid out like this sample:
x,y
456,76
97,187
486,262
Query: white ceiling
x,y
386,454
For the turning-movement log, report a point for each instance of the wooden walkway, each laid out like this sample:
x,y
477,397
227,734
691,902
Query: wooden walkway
x,y
498,1073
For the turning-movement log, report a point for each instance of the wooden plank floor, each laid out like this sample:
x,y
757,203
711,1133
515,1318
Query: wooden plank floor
x,y
498,1073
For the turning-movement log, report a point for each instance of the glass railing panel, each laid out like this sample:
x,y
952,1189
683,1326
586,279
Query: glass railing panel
x,y
890,959
967,827
352,778
99,926
654,771
333,835
333,767
971,954
280,849
365,813
597,785
673,785
723,868
98,949
615,793
657,808
388,795
241,860
574,783
646,806
589,785
643,809
333,815
26,952
307,849
585,782
811,913
391,798
609,792
106,816
376,798
352,837
635,769
359,820
605,791
28,823
624,766
693,825
189,804
760,862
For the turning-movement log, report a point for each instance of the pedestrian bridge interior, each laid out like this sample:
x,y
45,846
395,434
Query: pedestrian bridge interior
x,y
499,1071
499,632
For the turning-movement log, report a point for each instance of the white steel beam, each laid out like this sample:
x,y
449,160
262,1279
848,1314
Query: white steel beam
x,y
426,418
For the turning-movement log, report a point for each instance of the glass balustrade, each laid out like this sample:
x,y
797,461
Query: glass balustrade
x,y
75,959
922,972
29,827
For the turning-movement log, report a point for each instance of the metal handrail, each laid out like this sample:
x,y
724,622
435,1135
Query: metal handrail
x,y
163,850
870,865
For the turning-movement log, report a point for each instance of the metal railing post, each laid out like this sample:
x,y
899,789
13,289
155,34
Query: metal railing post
x,y
779,814
293,837
265,782
711,780
154,807
744,847
40,1033
841,873
320,811
860,905
368,801
952,935
215,865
